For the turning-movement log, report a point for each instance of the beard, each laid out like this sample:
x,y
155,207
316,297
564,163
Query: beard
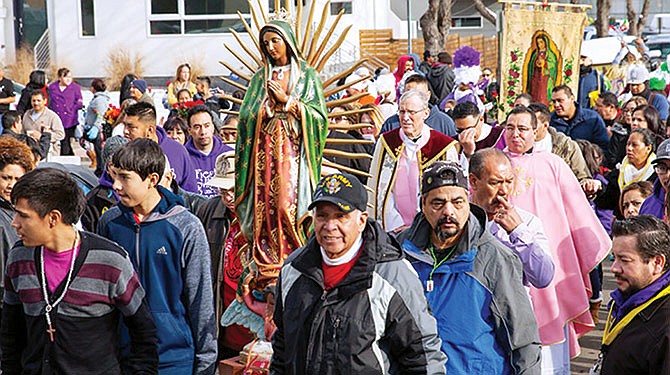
x,y
444,234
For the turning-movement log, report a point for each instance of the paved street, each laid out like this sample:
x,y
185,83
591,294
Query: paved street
x,y
591,341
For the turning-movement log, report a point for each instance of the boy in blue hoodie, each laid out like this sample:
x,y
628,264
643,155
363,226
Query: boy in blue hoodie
x,y
203,148
168,248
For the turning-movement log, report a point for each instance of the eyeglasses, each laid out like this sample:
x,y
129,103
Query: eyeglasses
x,y
520,129
460,130
402,112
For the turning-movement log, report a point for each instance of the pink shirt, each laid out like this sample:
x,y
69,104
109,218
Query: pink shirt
x,y
57,265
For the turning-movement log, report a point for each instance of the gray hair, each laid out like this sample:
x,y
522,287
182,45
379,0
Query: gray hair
x,y
423,97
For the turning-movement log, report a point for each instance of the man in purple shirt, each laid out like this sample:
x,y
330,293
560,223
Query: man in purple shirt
x,y
65,99
140,122
491,181
203,148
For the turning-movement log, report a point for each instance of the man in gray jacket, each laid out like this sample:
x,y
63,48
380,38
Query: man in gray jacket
x,y
347,302
473,283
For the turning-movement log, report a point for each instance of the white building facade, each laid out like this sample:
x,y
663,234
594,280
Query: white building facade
x,y
81,33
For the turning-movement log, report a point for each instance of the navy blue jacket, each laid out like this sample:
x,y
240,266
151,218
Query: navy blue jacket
x,y
437,120
588,83
585,124
659,102
170,253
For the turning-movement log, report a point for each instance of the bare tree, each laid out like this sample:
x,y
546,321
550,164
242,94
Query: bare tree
x,y
603,13
484,11
435,24
637,23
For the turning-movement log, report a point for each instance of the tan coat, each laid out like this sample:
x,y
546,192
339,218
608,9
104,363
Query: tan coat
x,y
568,150
47,121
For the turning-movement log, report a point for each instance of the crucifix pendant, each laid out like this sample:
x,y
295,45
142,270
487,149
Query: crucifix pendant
x,y
51,331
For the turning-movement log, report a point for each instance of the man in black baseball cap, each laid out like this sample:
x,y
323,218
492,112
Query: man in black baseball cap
x,y
473,283
327,289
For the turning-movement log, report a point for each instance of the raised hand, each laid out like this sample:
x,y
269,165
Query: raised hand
x,y
507,217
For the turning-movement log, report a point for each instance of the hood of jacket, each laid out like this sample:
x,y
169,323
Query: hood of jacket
x,y
101,94
418,234
438,70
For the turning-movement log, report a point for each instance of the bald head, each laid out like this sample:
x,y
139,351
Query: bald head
x,y
479,160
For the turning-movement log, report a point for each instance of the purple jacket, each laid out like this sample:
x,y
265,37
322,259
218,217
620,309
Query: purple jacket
x,y
180,162
530,243
204,165
66,103
605,216
654,205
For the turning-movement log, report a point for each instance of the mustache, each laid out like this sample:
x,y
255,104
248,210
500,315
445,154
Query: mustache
x,y
447,220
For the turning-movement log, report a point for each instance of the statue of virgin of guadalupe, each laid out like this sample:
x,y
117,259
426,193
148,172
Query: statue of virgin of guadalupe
x,y
280,141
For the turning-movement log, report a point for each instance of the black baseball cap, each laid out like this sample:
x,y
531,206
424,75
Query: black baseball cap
x,y
343,190
442,173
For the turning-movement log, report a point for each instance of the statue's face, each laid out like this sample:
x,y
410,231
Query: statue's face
x,y
274,45
541,44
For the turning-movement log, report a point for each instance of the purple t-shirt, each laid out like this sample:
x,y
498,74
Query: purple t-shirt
x,y
180,162
57,265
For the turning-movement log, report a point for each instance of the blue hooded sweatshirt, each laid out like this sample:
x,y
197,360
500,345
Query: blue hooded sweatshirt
x,y
204,164
180,162
170,254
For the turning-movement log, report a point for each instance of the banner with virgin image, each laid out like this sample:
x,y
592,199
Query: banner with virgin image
x,y
540,50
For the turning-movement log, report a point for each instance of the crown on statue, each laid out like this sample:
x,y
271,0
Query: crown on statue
x,y
282,15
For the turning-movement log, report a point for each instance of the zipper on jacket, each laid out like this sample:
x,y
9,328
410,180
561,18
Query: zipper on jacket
x,y
137,245
436,265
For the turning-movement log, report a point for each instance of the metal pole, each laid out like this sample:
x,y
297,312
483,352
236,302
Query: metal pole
x,y
409,28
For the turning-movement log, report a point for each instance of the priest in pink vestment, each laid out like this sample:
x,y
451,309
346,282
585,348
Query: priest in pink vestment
x,y
546,187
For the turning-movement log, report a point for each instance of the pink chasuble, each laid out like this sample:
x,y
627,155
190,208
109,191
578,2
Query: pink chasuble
x,y
546,187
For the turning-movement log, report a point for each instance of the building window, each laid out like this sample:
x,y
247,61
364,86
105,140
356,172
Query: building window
x,y
175,17
336,6
87,18
466,22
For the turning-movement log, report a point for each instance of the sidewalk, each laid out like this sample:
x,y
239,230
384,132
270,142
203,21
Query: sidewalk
x,y
590,342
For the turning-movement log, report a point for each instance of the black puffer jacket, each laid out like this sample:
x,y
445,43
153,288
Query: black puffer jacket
x,y
376,321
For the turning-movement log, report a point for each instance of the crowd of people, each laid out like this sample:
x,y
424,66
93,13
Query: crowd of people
x,y
400,230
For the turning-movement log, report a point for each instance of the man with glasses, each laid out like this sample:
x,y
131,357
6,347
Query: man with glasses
x,y
473,133
473,283
436,119
399,159
203,147
654,205
546,187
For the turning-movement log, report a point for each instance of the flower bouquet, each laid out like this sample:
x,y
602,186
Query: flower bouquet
x,y
181,109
